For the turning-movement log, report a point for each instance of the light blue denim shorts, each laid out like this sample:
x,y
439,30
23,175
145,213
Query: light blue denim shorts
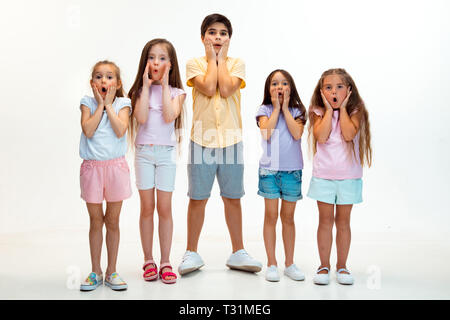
x,y
155,165
286,185
206,163
348,191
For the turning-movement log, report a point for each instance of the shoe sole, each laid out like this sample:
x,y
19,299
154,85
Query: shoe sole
x,y
245,268
117,288
189,270
89,288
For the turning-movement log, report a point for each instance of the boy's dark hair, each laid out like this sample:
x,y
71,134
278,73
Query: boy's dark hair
x,y
213,18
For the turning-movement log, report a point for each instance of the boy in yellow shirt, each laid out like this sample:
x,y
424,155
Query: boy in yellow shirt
x,y
216,142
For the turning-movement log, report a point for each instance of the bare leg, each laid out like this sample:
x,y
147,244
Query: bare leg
x,y
146,221
112,234
343,234
233,217
269,231
96,234
287,220
195,218
325,233
164,206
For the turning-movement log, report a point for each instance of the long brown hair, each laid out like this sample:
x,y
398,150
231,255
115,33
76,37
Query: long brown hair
x,y
354,104
174,81
119,92
294,98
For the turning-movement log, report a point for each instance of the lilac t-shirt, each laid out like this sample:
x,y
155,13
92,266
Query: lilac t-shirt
x,y
281,152
155,130
335,159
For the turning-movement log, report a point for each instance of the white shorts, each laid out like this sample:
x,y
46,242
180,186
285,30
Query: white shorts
x,y
155,165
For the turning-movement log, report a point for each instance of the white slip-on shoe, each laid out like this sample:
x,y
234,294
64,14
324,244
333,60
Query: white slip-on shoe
x,y
294,273
92,282
272,274
241,260
191,262
322,278
115,282
344,278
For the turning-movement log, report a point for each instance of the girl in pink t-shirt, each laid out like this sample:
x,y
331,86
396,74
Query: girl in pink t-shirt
x,y
157,98
340,135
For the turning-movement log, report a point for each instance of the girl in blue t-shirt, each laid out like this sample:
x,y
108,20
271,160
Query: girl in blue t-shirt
x,y
281,119
104,173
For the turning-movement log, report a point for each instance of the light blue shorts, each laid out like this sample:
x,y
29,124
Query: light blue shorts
x,y
155,166
206,163
348,191
286,185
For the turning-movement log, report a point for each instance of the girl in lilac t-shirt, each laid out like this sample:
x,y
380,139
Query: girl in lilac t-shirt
x,y
281,119
157,96
339,127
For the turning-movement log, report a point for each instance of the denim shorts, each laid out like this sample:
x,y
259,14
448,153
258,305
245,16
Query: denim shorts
x,y
348,191
155,165
286,185
206,163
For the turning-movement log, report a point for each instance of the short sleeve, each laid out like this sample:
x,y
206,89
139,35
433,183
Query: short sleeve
x,y
175,92
262,111
123,103
86,101
193,69
238,70
318,111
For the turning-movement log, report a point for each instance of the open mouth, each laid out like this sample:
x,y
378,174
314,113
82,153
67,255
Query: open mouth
x,y
334,99
104,89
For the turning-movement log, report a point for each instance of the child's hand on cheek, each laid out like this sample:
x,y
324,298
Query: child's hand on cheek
x,y
209,51
146,80
325,101
165,77
97,95
275,99
223,52
286,96
110,95
344,103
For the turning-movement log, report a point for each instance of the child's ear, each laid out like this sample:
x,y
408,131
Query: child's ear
x,y
119,84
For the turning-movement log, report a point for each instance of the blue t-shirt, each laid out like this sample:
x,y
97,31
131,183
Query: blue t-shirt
x,y
281,151
104,144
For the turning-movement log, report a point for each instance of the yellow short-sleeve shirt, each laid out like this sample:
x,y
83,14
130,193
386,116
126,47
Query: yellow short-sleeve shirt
x,y
216,121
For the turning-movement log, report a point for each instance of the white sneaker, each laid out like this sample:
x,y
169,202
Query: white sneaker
x,y
241,260
92,282
344,278
191,262
272,274
323,278
294,273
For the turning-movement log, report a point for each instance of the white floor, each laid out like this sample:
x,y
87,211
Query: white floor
x,y
49,264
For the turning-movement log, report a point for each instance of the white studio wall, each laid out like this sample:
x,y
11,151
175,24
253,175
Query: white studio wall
x,y
396,51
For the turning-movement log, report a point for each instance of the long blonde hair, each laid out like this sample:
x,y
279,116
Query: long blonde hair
x,y
355,104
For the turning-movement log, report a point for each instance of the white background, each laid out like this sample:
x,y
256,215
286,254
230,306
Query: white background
x,y
396,51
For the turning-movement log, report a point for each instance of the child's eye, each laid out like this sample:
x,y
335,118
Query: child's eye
x,y
223,33
110,77
340,86
163,58
211,32
285,83
150,58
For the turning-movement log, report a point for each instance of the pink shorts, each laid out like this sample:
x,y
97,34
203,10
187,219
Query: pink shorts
x,y
105,180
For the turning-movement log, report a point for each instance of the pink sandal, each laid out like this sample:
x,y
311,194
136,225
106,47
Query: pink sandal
x,y
164,275
154,270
